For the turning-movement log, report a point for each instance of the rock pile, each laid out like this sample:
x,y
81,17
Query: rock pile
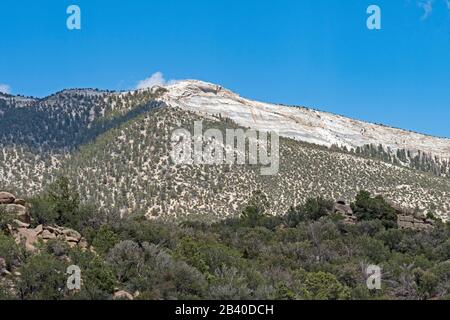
x,y
415,222
11,205
405,219
342,208
410,219
24,234
30,237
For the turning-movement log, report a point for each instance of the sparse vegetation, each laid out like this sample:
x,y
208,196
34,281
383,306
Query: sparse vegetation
x,y
98,163
130,136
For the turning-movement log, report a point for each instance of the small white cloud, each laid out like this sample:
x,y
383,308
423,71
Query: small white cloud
x,y
427,7
156,79
4,88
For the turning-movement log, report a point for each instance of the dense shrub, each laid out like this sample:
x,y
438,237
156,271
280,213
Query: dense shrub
x,y
153,272
313,209
367,208
42,277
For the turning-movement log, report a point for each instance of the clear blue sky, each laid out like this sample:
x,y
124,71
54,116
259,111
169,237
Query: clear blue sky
x,y
316,53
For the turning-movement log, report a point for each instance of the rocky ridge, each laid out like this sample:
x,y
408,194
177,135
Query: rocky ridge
x,y
299,123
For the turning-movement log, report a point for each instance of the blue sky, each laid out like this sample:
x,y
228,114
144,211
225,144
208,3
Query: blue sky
x,y
317,53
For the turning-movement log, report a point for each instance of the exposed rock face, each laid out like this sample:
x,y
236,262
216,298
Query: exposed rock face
x,y
302,124
27,237
341,207
6,198
11,205
47,235
409,219
21,212
30,237
123,295
406,221
20,202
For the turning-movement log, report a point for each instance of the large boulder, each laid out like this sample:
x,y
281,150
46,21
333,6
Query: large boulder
x,y
345,210
19,211
20,224
420,215
47,235
405,221
71,234
6,198
342,208
27,237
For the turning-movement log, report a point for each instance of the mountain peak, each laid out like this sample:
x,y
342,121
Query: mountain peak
x,y
303,124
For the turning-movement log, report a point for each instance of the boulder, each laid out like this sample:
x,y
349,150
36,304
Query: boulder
x,y
406,218
6,198
54,230
123,295
72,239
69,233
405,225
420,215
47,235
412,222
21,224
83,244
72,244
345,210
20,201
19,211
28,237
39,229
342,207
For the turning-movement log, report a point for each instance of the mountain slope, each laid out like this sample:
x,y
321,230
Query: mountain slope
x,y
300,123
116,147
137,174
